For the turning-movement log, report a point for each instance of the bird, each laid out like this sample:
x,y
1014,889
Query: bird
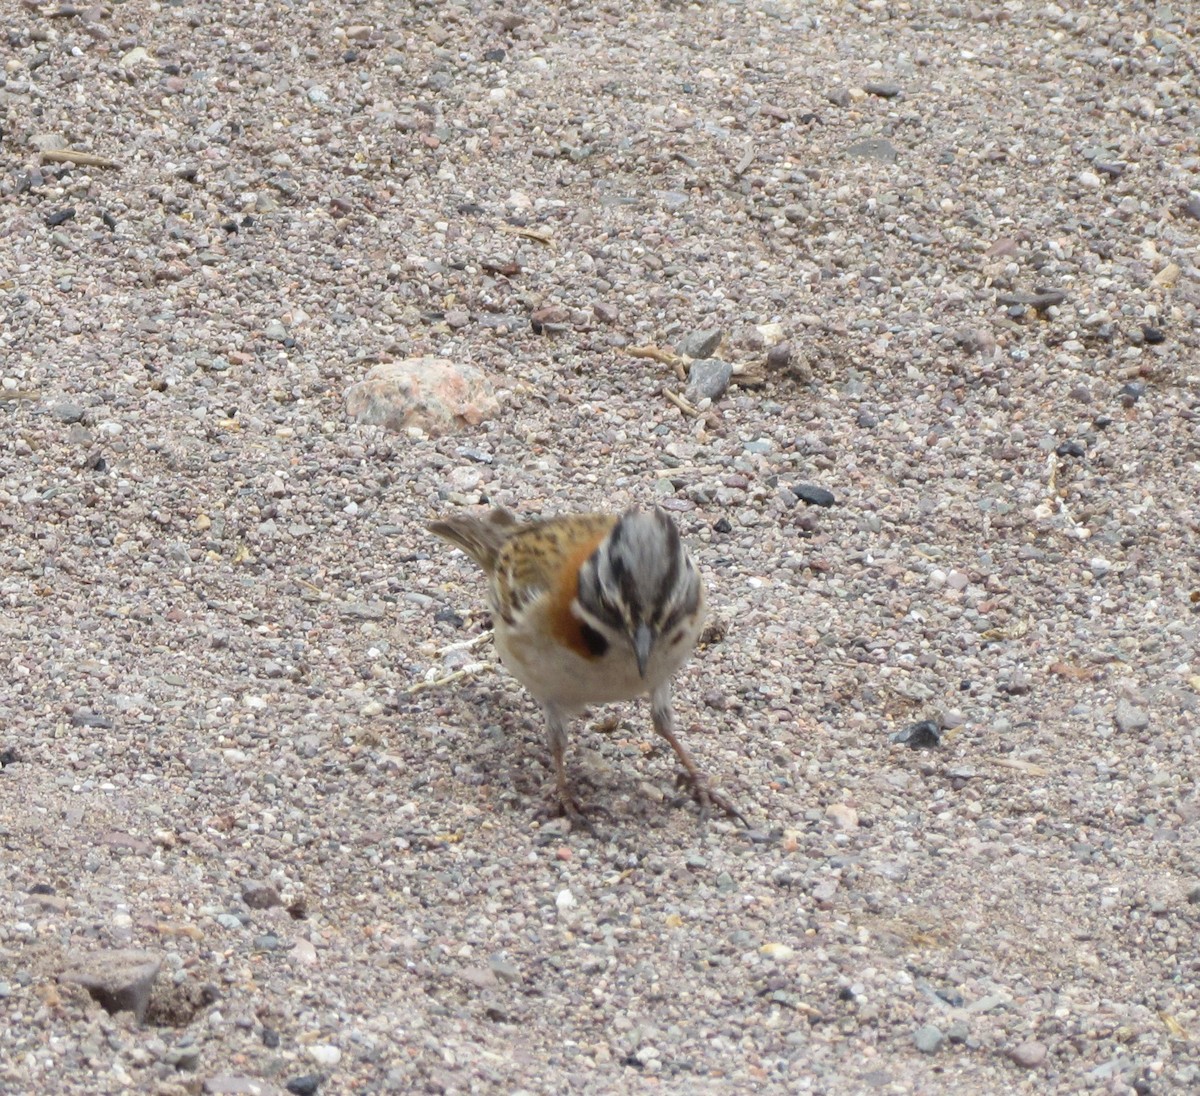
x,y
589,609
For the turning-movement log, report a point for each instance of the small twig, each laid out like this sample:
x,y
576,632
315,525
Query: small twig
x,y
529,233
466,645
657,354
1017,765
683,405
469,670
74,156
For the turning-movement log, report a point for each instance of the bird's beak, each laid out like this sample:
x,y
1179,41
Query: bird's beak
x,y
643,640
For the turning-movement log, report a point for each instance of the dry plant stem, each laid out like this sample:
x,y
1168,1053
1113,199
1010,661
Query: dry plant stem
x,y
72,156
470,670
683,405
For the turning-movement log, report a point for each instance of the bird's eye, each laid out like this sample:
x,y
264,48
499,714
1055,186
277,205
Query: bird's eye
x,y
596,644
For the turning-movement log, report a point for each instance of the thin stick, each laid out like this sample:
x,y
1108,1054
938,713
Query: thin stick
x,y
681,403
529,233
74,156
469,670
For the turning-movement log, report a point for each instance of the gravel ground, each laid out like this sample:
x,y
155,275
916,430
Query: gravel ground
x,y
975,226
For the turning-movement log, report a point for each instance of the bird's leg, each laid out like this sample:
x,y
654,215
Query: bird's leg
x,y
663,715
556,733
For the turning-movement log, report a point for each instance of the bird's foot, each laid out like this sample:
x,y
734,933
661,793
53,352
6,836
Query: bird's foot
x,y
708,797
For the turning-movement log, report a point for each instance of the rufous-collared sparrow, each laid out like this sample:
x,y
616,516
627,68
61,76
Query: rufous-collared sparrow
x,y
587,609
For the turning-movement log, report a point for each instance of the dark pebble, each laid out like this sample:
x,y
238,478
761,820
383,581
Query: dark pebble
x,y
779,356
7,756
1101,421
60,216
41,888
867,421
304,1086
1192,207
260,896
270,1038
839,97
874,148
448,616
1132,392
494,55
883,90
721,525
708,378
814,496
919,736
85,718
1070,449
701,344
1152,335
1039,300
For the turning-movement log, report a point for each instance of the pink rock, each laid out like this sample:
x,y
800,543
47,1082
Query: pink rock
x,y
436,395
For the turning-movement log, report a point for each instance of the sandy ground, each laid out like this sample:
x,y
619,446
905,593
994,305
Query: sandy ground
x,y
975,226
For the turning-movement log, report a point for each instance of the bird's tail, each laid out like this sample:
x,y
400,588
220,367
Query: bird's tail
x,y
481,538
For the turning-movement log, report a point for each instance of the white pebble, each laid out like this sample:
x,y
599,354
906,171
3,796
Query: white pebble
x,y
565,900
325,1054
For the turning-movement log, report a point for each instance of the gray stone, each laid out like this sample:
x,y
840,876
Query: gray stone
x,y
228,1084
1029,1055
120,980
183,1057
883,89
779,356
1130,718
708,378
700,344
260,896
958,1032
68,412
506,971
874,148
929,1039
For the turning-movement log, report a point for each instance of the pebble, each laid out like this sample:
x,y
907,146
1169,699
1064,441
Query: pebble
x,y
874,148
842,816
260,896
232,1084
779,356
929,1039
1130,718
925,735
708,378
325,1054
812,495
1029,1055
305,1085
68,412
701,344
